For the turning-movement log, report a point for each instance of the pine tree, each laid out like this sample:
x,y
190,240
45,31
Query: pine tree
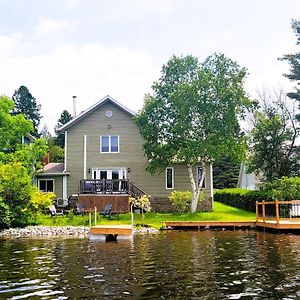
x,y
26,104
65,117
226,173
294,61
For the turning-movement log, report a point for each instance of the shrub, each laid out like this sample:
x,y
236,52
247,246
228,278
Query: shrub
x,y
15,190
240,198
142,202
40,201
285,188
181,200
4,215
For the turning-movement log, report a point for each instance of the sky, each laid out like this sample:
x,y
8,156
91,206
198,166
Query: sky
x,y
94,48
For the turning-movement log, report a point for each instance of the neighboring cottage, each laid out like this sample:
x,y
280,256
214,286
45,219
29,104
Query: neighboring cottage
x,y
104,161
248,181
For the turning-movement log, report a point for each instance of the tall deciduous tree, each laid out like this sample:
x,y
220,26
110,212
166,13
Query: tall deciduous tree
x,y
12,128
294,61
64,118
192,116
26,104
274,153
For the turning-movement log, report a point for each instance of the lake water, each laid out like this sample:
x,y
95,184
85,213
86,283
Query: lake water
x,y
169,265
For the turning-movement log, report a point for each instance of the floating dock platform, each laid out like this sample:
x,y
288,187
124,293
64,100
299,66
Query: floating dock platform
x,y
111,232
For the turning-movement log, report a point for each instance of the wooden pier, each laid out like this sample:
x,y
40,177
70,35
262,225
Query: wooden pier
x,y
209,224
111,232
278,215
274,215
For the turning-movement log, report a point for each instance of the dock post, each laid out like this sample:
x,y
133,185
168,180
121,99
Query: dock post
x,y
264,211
256,209
95,215
277,211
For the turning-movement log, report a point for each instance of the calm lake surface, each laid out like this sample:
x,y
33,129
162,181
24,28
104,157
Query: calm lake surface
x,y
169,265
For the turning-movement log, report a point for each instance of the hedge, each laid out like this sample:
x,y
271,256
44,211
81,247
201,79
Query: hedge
x,y
286,188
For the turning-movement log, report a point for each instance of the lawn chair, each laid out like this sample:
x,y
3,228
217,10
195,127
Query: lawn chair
x,y
54,212
79,210
106,213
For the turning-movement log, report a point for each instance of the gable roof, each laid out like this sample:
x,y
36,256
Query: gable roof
x,y
95,107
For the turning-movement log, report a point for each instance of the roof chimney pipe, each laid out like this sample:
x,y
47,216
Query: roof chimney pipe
x,y
74,106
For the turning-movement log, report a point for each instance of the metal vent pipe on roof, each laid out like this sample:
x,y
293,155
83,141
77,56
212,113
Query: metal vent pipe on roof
x,y
74,106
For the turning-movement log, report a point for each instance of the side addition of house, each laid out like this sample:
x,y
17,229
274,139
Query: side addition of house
x,y
105,162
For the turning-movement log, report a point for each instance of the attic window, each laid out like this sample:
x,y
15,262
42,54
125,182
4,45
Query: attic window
x,y
108,113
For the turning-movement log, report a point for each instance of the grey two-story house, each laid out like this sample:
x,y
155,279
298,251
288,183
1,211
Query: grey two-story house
x,y
104,159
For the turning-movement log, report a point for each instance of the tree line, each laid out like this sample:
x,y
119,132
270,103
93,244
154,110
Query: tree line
x,y
191,116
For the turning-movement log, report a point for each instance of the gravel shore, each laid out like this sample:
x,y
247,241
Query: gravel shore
x,y
59,231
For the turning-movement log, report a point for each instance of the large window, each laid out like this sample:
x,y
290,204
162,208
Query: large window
x,y
169,178
46,185
199,175
109,144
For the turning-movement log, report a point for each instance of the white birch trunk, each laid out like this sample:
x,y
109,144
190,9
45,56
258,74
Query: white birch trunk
x,y
196,187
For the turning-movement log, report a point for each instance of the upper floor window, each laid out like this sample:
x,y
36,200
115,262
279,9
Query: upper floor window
x,y
109,144
169,178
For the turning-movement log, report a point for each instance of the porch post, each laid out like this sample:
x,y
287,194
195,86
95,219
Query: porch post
x,y
84,156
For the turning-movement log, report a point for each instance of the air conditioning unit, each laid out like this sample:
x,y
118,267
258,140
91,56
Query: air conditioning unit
x,y
61,202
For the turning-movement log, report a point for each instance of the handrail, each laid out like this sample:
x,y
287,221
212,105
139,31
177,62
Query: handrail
x,y
94,186
135,191
277,210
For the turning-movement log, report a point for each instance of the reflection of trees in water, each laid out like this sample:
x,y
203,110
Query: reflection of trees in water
x,y
279,256
170,265
173,264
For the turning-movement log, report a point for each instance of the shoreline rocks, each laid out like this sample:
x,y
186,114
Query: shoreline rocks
x,y
46,231
60,231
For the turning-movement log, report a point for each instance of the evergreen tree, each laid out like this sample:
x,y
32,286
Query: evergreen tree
x,y
26,104
294,61
226,173
65,117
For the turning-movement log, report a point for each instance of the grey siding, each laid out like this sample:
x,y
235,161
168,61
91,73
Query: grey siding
x,y
131,154
58,184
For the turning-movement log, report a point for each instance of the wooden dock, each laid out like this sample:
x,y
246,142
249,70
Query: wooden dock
x,y
274,215
278,215
111,232
209,224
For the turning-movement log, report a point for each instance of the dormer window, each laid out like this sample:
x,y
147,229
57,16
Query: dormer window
x,y
109,144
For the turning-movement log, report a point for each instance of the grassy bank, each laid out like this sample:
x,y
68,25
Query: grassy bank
x,y
221,212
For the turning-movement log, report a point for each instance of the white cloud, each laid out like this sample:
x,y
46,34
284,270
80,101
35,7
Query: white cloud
x,y
48,25
90,72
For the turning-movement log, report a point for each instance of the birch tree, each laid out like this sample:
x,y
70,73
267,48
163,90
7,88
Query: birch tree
x,y
192,115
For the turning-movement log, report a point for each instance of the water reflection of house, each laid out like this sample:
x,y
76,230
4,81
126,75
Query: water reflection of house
x,y
248,181
104,157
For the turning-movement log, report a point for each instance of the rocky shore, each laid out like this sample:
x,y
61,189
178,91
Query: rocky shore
x,y
59,231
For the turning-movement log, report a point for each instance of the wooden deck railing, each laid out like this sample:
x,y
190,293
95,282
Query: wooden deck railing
x,y
104,186
276,211
135,191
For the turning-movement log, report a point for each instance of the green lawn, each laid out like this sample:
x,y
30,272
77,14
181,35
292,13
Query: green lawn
x,y
221,212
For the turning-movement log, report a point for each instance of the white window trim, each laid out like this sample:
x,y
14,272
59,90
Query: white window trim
x,y
109,144
203,170
47,180
166,178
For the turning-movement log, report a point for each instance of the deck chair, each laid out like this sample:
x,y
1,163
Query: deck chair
x,y
79,209
54,212
106,213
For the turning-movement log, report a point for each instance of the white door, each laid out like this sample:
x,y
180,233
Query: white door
x,y
119,173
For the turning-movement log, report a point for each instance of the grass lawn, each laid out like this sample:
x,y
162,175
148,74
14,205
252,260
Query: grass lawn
x,y
221,212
